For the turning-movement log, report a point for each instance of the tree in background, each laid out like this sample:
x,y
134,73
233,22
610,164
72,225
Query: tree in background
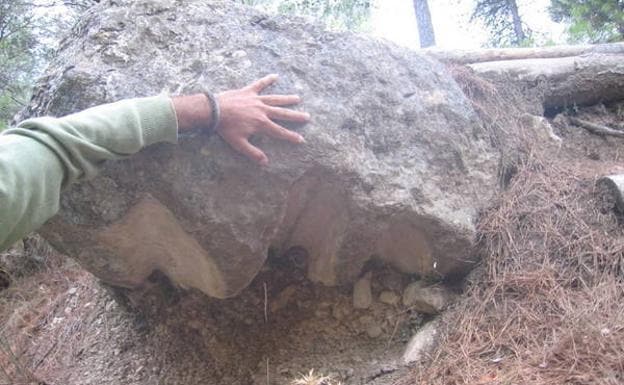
x,y
502,19
29,31
426,34
347,14
335,14
17,55
594,21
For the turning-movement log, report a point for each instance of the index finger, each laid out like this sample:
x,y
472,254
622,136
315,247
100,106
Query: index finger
x,y
263,83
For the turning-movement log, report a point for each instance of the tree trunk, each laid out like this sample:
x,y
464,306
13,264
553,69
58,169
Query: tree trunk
x,y
425,26
620,24
517,22
564,76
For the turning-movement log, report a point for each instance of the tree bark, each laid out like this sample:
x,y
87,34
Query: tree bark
x,y
425,26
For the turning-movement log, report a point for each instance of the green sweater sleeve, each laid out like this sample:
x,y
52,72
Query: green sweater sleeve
x,y
40,156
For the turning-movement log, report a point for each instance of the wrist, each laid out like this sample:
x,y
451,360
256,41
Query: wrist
x,y
194,112
214,110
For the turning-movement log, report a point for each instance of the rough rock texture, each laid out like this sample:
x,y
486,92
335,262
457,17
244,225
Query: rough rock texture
x,y
422,343
611,190
396,165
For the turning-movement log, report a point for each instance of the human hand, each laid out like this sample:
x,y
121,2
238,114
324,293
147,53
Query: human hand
x,y
244,113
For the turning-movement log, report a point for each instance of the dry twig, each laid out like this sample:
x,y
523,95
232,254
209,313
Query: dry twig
x,y
595,128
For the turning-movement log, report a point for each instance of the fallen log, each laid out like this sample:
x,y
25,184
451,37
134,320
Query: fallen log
x,y
563,76
504,54
560,77
566,81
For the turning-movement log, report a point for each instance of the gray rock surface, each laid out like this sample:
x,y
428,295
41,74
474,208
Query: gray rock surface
x,y
396,164
422,343
610,189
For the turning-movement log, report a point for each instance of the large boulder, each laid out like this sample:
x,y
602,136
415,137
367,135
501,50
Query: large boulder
x,y
396,165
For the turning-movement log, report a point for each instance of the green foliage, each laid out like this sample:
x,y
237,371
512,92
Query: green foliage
x,y
502,19
335,14
593,21
7,109
17,55
29,31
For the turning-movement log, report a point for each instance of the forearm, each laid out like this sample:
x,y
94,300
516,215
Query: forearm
x,y
30,191
84,140
41,155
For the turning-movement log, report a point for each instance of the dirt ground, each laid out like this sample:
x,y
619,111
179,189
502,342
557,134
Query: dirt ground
x,y
64,327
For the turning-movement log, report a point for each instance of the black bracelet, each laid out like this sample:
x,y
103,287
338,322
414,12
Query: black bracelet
x,y
216,112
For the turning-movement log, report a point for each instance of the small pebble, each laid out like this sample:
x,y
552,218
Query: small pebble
x,y
389,298
374,331
362,294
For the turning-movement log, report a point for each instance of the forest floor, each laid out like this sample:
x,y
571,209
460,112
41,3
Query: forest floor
x,y
61,326
545,306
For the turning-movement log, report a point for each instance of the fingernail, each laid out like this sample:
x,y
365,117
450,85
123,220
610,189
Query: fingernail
x,y
301,139
264,162
307,116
